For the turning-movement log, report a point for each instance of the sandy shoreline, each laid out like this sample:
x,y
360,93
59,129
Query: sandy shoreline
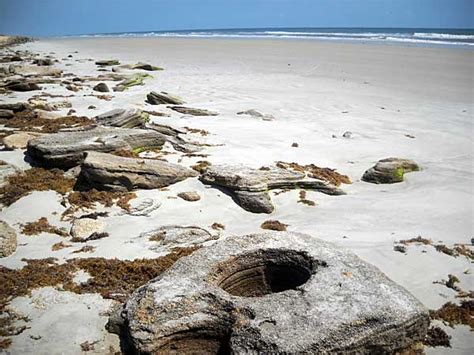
x,y
316,91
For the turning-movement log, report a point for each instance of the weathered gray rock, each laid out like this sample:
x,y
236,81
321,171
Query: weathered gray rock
x,y
22,86
19,140
43,61
257,114
125,118
155,98
173,236
34,70
279,293
16,107
107,62
7,240
145,66
193,111
132,80
101,87
6,114
66,149
6,170
250,187
389,171
83,228
111,172
190,196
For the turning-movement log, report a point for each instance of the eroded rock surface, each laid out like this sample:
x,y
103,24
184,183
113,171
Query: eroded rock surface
x,y
111,172
7,240
276,292
249,186
66,149
125,118
389,171
83,228
173,236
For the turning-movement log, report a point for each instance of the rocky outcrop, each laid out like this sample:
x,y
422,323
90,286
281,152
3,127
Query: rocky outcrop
x,y
389,171
101,87
7,240
155,98
193,111
66,149
279,293
111,172
257,114
249,186
125,118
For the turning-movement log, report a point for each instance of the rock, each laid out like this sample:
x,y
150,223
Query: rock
x,y
43,61
19,140
22,86
145,66
101,87
294,145
347,134
389,171
83,228
250,187
169,237
5,171
256,114
35,70
140,206
6,114
66,149
155,98
126,118
193,111
133,80
190,196
107,62
111,172
7,240
278,293
16,107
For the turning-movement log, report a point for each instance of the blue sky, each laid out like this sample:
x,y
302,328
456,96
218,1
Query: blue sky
x,y
66,17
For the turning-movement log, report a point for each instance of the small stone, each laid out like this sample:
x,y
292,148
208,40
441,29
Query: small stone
x,y
107,62
295,145
91,107
347,134
83,228
7,240
101,87
190,196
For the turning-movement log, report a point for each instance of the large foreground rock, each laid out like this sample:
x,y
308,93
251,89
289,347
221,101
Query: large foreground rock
x,y
7,240
111,172
249,186
66,149
125,118
389,171
278,293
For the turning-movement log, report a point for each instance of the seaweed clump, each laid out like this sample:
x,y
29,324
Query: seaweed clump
x,y
274,225
437,337
42,226
454,314
313,171
32,122
35,179
304,200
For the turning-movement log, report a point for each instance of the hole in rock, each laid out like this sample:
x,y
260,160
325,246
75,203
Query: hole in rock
x,y
264,272
196,342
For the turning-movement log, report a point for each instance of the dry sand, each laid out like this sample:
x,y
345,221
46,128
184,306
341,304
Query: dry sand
x,y
315,90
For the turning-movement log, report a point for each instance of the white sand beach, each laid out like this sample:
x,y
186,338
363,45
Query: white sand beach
x,y
396,101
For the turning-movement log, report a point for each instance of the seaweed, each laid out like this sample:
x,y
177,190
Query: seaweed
x,y
304,200
88,199
274,225
42,226
217,226
437,337
453,314
313,171
201,166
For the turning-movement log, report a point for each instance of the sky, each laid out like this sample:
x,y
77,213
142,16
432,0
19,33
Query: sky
x,y
69,17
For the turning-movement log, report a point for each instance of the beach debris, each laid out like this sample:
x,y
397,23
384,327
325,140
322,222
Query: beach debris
x,y
201,166
22,86
437,337
450,283
107,62
19,140
274,225
21,183
6,170
66,149
59,246
389,171
8,241
224,296
101,87
84,249
453,314
175,236
125,118
313,171
83,228
141,206
111,172
43,61
42,226
217,226
163,97
190,196
257,114
304,200
88,200
250,186
193,111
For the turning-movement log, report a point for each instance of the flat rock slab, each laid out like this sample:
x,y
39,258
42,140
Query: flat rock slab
x,y
249,187
66,149
19,140
125,118
156,98
276,292
193,111
389,171
111,172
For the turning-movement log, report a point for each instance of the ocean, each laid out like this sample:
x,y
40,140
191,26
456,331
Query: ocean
x,y
420,36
